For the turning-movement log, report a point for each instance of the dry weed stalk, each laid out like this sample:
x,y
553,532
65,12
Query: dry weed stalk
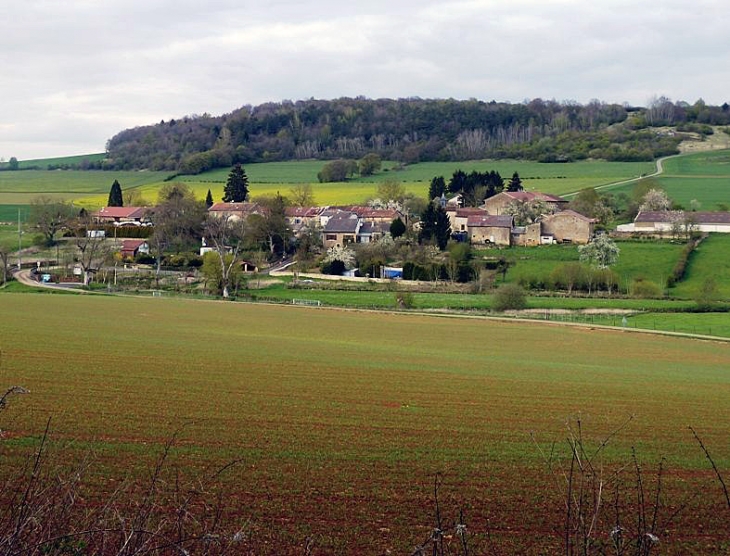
x,y
43,511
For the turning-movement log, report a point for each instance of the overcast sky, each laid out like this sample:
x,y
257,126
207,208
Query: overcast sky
x,y
76,72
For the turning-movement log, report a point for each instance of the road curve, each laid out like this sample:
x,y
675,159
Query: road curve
x,y
23,276
659,171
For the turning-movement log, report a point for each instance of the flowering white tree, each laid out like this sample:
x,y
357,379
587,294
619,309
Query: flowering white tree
x,y
602,252
655,199
347,256
526,212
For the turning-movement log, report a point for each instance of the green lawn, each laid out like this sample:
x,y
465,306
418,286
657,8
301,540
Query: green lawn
x,y
710,259
90,189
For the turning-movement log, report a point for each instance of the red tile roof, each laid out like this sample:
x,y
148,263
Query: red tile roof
x,y
120,212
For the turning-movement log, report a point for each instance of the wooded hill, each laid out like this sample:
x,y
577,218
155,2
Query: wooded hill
x,y
410,130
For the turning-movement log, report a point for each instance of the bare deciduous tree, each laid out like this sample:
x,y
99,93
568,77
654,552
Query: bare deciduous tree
x,y
92,249
49,216
225,234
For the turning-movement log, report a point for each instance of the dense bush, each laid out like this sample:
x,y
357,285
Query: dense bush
x,y
334,267
509,297
646,288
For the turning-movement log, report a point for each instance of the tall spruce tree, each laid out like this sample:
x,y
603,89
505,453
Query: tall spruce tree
x,y
236,189
209,199
437,188
515,183
115,196
435,226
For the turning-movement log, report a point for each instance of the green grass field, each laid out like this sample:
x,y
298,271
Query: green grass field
x,y
267,179
44,163
704,177
9,213
86,188
699,176
90,189
711,259
342,419
651,260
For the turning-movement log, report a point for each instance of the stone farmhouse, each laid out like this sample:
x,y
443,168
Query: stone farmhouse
x,y
498,203
489,225
490,228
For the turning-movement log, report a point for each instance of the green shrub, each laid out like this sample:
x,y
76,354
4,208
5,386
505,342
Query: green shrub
x,y
335,267
646,288
509,297
680,268
404,300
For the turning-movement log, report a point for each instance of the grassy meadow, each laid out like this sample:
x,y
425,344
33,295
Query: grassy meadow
x,y
650,260
704,177
91,188
701,176
267,179
341,419
86,188
710,259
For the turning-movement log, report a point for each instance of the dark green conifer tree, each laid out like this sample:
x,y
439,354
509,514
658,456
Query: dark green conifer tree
x,y
236,189
115,196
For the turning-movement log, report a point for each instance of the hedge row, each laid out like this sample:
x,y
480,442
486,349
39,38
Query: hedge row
x,y
680,268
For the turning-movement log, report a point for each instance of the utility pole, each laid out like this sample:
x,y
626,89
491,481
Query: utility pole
x,y
20,244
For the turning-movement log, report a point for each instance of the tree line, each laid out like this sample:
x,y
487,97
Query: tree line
x,y
406,130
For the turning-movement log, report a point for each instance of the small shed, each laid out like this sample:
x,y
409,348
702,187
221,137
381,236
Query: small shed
x,y
133,247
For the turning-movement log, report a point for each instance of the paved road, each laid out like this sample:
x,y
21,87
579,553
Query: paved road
x,y
24,277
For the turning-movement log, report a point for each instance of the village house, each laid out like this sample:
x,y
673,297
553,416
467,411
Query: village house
x,y
490,229
372,231
458,218
368,214
300,218
341,229
499,202
568,226
122,216
234,211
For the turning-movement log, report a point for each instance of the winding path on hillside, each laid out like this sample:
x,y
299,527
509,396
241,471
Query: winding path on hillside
x,y
659,171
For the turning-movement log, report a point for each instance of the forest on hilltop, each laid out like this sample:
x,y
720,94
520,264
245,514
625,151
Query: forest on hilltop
x,y
411,130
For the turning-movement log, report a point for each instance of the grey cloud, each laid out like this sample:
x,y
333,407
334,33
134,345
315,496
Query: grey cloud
x,y
77,72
